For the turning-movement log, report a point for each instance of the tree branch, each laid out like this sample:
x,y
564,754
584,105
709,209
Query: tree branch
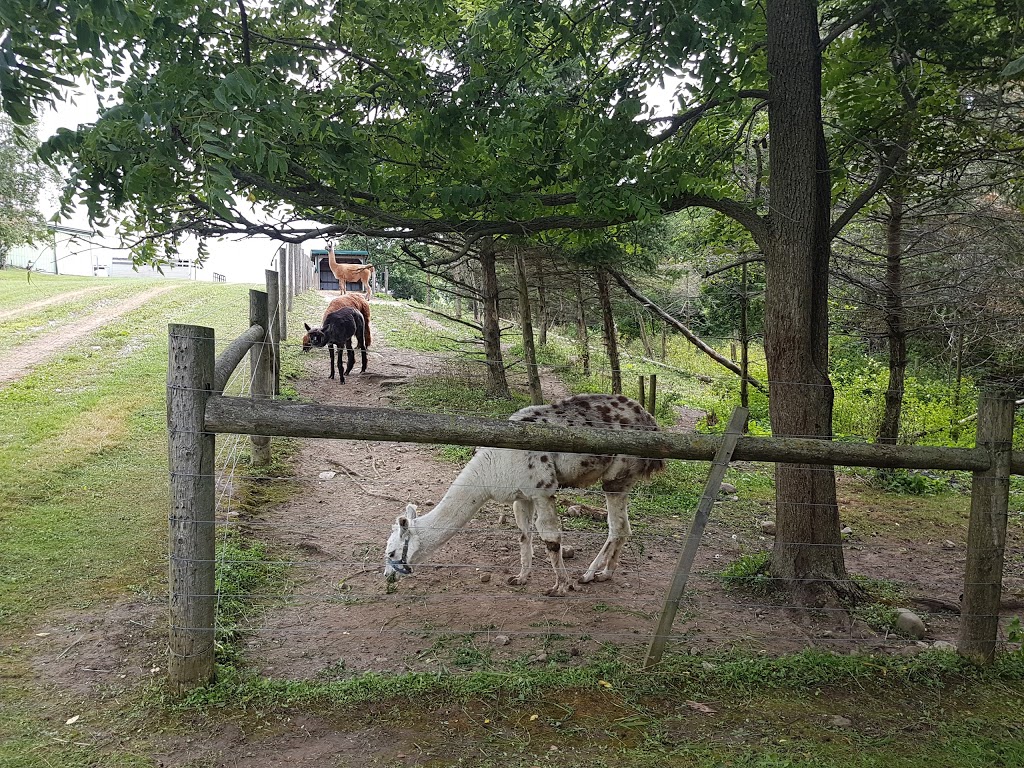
x,y
690,335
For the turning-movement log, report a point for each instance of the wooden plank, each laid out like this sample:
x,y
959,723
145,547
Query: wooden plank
x,y
986,532
274,324
232,355
693,539
277,417
190,375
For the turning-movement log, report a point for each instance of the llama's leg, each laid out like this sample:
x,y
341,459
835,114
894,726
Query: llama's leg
x,y
351,356
524,521
549,528
618,532
330,348
362,352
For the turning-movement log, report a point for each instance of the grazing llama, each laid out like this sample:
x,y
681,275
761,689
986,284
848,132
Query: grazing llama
x,y
353,300
529,480
337,331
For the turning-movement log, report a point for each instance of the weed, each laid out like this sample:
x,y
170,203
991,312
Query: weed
x,y
749,573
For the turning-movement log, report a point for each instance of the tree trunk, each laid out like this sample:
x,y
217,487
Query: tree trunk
x,y
889,429
641,323
526,323
744,342
610,340
581,327
808,554
497,384
542,306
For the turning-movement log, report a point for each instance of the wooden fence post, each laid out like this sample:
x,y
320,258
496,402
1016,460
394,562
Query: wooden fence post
x,y
652,406
274,325
641,396
696,534
986,531
190,379
282,293
262,365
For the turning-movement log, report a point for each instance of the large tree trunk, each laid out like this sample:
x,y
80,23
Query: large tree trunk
x,y
526,323
497,384
889,429
808,553
611,342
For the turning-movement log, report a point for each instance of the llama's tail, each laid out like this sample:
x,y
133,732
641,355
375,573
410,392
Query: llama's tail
x,y
366,323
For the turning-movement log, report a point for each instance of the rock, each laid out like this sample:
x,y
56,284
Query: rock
x,y
947,544
575,651
909,624
846,531
568,553
841,722
943,645
484,578
728,489
768,527
501,640
910,650
327,475
539,658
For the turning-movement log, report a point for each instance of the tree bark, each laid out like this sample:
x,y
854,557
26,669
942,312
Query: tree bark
x,y
889,428
581,327
611,343
542,306
808,554
526,323
497,384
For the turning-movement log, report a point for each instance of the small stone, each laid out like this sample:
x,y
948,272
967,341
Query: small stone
x,y
429,502
707,666
947,544
768,527
728,489
846,531
568,553
734,497
943,645
501,640
574,651
539,658
485,577
910,650
327,475
841,722
909,624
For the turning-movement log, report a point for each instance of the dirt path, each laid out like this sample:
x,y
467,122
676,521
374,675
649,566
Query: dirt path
x,y
25,308
19,361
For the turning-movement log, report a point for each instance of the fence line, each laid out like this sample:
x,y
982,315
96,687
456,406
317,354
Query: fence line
x,y
197,411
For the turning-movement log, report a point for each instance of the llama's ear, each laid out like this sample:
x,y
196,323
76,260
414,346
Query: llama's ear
x,y
307,327
410,511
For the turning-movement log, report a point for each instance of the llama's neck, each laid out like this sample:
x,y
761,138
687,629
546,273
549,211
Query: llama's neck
x,y
470,491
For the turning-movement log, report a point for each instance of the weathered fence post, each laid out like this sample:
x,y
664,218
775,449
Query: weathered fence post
x,y
652,405
190,379
282,293
274,325
986,532
262,365
641,390
696,534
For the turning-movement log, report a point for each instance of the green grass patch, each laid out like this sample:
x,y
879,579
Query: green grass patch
x,y
749,573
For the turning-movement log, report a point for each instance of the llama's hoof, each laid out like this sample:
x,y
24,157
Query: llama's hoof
x,y
557,591
586,578
602,576
517,581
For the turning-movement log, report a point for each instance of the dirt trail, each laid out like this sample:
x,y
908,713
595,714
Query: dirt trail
x,y
25,308
19,361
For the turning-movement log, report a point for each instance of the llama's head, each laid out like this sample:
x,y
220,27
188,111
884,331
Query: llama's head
x,y
401,546
314,337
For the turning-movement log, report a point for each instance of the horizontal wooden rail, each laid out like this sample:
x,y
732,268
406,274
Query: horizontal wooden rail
x,y
251,417
232,355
